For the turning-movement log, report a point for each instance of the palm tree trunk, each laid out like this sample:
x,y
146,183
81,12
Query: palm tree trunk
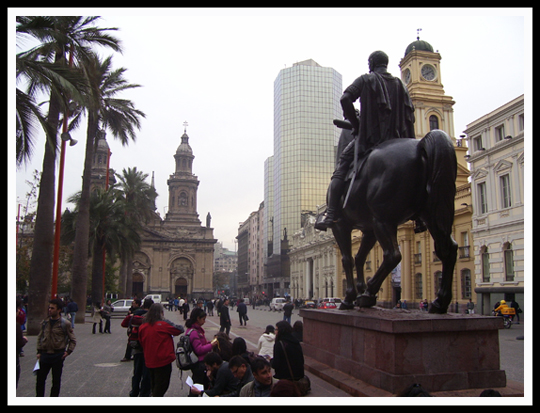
x,y
40,277
122,278
82,227
129,275
97,272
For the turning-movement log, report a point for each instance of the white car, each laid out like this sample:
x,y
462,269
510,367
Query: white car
x,y
121,307
277,304
156,298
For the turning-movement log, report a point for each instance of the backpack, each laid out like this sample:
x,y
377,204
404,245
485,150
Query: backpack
x,y
133,332
186,358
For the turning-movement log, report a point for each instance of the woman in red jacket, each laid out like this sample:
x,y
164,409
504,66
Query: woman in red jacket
x,y
155,336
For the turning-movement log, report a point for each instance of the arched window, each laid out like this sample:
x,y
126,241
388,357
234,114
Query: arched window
x,y
508,262
466,288
484,254
418,288
437,281
433,122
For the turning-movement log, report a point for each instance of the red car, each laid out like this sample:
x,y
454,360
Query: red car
x,y
326,305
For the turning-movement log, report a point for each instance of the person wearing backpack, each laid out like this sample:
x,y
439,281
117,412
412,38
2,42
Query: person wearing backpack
x,y
199,344
55,342
140,381
156,338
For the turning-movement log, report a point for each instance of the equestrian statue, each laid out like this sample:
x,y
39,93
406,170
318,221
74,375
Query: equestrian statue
x,y
385,177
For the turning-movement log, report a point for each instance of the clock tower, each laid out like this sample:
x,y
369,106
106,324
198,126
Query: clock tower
x,y
421,73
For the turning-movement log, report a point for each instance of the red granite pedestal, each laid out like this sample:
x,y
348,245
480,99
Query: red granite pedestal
x,y
391,349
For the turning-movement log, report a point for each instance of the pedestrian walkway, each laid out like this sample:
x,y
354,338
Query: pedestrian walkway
x,y
94,369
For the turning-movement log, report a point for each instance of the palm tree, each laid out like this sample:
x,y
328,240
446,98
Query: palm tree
x,y
105,112
140,198
57,35
111,230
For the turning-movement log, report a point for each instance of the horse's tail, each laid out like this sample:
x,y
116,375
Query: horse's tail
x,y
439,154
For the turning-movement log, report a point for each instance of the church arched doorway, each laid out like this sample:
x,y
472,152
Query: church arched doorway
x,y
137,284
180,288
182,275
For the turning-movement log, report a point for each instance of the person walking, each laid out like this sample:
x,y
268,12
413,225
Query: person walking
x,y
224,318
156,337
287,310
72,309
55,342
242,312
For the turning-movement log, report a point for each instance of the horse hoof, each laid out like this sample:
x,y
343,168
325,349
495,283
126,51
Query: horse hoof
x,y
435,308
366,301
346,306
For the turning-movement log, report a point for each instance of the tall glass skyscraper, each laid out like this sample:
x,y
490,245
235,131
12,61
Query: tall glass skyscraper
x,y
306,101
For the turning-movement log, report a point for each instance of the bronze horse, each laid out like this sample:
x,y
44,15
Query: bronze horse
x,y
399,180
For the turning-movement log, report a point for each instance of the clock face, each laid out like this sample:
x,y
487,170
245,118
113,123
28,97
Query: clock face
x,y
406,76
428,72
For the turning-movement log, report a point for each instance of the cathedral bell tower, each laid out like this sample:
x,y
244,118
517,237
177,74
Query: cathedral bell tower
x,y
183,186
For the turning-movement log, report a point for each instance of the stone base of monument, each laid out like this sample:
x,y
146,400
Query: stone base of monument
x,y
387,350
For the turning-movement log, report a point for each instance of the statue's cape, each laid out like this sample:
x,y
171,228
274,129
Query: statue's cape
x,y
386,110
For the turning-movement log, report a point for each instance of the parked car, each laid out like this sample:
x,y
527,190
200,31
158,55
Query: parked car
x,y
323,305
121,307
331,300
277,304
309,304
156,298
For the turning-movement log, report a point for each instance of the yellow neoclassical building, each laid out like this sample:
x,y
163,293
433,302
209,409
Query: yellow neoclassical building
x,y
418,275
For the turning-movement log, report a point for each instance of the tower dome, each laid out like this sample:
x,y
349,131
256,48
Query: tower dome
x,y
184,147
419,45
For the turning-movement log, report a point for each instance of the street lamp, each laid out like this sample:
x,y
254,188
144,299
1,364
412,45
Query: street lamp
x,y
65,136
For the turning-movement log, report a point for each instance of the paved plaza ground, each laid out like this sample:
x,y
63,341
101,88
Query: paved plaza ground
x,y
93,374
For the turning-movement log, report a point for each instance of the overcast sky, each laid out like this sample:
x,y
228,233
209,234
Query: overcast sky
x,y
215,69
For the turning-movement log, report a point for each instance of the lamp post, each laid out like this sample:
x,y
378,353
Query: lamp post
x,y
56,256
65,136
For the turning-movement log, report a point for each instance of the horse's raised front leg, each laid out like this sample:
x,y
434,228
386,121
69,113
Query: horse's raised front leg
x,y
386,235
343,239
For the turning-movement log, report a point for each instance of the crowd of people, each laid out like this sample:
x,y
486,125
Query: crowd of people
x,y
224,367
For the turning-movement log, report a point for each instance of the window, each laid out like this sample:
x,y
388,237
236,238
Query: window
x,y
418,289
437,281
508,262
484,254
466,289
464,249
499,133
505,191
477,143
433,122
521,122
482,198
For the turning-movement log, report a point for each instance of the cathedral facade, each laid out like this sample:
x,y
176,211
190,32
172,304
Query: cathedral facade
x,y
176,256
